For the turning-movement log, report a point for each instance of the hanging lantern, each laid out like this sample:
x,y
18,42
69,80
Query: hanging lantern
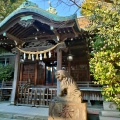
x,y
70,57
49,54
32,57
21,59
24,56
45,56
40,56
37,57
29,56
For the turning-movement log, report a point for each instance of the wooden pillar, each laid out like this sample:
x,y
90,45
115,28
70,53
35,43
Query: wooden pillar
x,y
36,73
45,78
16,78
59,67
69,67
52,75
21,72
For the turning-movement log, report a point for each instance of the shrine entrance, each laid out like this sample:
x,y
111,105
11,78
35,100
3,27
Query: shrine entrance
x,y
39,73
42,72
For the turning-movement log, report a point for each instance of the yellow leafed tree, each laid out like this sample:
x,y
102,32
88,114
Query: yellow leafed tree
x,y
89,6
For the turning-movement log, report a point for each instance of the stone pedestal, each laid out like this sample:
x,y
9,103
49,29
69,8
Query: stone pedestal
x,y
110,112
67,111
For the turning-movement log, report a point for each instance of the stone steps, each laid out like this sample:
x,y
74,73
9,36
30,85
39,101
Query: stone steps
x,y
15,116
108,118
110,113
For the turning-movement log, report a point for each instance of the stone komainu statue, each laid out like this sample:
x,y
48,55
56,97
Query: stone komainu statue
x,y
69,89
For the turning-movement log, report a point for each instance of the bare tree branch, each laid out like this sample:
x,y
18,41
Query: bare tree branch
x,y
75,3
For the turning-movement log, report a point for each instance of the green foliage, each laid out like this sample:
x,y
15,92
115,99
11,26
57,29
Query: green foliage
x,y
2,50
8,6
5,72
105,61
105,67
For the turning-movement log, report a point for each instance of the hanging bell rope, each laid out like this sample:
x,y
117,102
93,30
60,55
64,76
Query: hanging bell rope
x,y
38,52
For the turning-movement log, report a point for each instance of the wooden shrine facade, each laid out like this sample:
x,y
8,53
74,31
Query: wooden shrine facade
x,y
41,42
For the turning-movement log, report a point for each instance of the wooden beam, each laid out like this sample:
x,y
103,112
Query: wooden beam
x,y
65,36
17,41
78,47
9,25
39,38
76,34
40,48
57,34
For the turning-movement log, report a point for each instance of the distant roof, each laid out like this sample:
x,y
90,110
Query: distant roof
x,y
6,54
83,22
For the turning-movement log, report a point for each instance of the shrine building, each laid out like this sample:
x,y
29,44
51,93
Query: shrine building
x,y
42,43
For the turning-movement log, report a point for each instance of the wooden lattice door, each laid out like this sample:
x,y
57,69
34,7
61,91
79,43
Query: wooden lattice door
x,y
27,72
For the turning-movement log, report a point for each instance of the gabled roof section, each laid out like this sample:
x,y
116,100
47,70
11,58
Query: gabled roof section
x,y
31,24
29,7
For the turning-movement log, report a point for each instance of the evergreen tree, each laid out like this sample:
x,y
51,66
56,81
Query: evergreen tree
x,y
8,6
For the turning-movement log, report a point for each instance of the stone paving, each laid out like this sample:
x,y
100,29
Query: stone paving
x,y
11,112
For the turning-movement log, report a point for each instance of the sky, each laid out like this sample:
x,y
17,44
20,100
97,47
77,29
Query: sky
x,y
62,8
